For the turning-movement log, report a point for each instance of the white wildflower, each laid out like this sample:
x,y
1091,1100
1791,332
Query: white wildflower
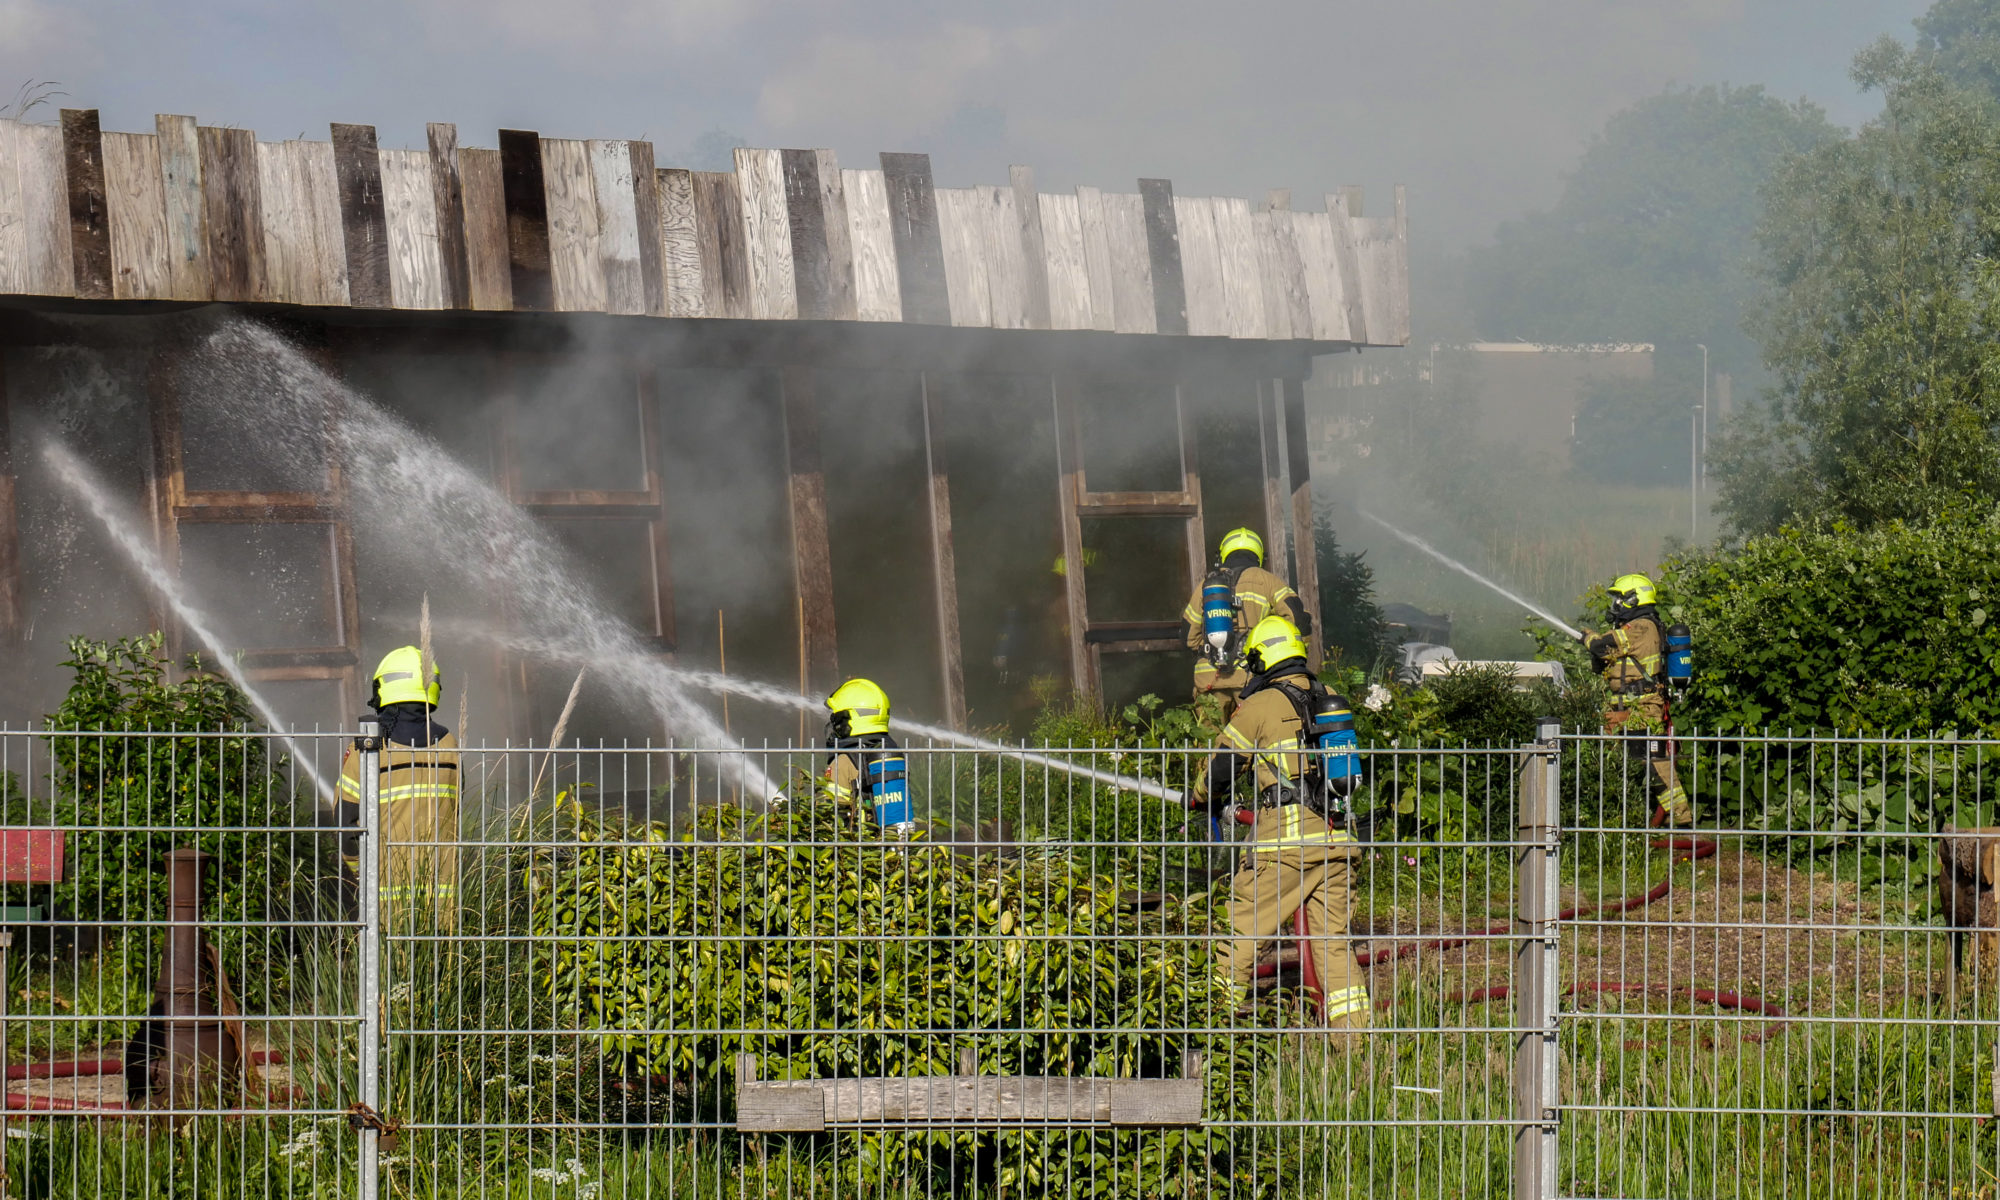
x,y
1378,698
306,1144
393,1160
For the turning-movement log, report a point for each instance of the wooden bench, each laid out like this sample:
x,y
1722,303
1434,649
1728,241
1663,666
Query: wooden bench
x,y
29,856
966,1100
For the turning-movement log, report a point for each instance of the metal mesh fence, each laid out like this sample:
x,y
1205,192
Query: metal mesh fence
x,y
632,971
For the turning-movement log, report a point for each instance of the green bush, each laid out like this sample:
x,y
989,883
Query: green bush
x,y
1886,631
127,801
788,937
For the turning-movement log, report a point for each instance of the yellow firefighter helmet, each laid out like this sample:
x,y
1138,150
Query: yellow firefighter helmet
x,y
856,708
396,679
1274,641
1242,539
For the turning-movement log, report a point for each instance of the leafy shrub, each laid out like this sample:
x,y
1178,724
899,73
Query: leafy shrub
x,y
1890,630
787,937
127,801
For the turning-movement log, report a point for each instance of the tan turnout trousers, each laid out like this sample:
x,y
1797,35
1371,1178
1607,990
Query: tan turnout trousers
x,y
1299,864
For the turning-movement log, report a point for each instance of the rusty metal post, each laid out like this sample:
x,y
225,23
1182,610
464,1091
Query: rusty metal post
x,y
1537,965
369,1053
194,1033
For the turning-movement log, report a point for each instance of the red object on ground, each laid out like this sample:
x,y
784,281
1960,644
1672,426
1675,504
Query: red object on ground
x,y
31,855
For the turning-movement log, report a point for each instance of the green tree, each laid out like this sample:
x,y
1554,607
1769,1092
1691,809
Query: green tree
x,y
1880,317
1654,233
1962,39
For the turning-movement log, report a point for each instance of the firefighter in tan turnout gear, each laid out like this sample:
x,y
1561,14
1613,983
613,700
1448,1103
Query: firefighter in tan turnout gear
x,y
866,767
418,791
1237,593
1631,659
1295,737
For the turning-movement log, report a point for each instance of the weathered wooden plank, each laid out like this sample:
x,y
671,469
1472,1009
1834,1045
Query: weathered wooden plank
x,y
646,215
139,243
1083,674
187,233
576,264
784,1107
725,265
527,220
305,258
448,216
1313,234
812,560
409,204
1006,267
1242,277
839,235
1292,273
1133,305
1163,247
812,269
680,244
1097,258
1201,266
811,1105
913,223
878,292
1064,268
1271,274
1382,252
363,225
489,267
35,256
89,211
944,561
1298,465
617,220
232,212
13,593
1155,1103
962,234
1277,522
767,234
1034,250
288,260
1347,257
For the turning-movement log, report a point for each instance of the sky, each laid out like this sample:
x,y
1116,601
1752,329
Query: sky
x,y
1478,106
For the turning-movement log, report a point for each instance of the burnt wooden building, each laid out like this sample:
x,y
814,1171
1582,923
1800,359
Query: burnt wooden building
x,y
803,419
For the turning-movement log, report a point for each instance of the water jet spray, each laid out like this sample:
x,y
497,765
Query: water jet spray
x,y
86,487
1469,573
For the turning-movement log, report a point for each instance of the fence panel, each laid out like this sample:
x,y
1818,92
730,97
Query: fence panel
x,y
1758,1005
179,998
629,971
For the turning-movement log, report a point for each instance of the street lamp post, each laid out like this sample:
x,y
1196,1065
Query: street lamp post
x,y
1694,472
1704,415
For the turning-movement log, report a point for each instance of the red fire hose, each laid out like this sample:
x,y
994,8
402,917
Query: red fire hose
x,y
1691,848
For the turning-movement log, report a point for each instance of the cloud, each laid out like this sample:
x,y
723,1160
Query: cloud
x,y
898,81
599,29
31,30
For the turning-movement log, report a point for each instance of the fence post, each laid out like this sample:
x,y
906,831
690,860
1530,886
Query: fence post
x,y
1537,966
369,1056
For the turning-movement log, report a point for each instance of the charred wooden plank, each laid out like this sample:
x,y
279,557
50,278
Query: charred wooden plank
x,y
1163,244
364,222
527,220
89,211
913,224
812,266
